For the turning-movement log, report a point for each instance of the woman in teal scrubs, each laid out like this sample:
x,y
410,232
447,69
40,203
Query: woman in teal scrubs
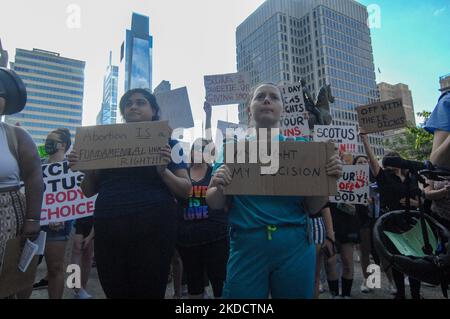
x,y
270,248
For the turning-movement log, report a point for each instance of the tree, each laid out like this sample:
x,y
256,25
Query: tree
x,y
416,143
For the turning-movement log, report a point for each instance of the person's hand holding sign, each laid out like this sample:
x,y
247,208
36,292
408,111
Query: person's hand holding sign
x,y
334,166
222,178
166,154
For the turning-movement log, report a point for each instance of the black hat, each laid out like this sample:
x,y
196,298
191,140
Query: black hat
x,y
13,91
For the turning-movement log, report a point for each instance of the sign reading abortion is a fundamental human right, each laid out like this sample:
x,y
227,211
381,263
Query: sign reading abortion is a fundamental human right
x,y
121,145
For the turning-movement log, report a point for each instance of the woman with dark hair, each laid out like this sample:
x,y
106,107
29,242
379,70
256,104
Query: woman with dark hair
x,y
202,231
57,144
271,251
399,190
135,214
20,214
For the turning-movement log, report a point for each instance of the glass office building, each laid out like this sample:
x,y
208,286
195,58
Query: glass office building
x,y
108,111
322,41
55,87
136,54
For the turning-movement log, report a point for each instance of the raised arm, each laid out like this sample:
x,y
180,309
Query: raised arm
x,y
208,112
440,154
215,197
373,161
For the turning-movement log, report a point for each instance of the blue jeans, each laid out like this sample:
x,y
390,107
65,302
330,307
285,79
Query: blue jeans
x,y
280,262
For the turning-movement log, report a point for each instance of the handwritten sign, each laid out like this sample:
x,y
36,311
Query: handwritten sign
x,y
176,108
346,137
294,119
121,145
382,116
224,89
353,186
301,172
63,198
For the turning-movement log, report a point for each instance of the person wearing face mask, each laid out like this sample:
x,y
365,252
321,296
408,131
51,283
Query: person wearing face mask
x,y
135,213
57,144
399,190
271,250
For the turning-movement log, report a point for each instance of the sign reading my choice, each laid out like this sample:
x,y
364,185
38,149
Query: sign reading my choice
x,y
382,116
121,145
63,198
300,172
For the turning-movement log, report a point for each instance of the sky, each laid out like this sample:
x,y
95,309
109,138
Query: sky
x,y
197,37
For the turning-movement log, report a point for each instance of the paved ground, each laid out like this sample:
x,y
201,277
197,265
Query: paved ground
x,y
96,291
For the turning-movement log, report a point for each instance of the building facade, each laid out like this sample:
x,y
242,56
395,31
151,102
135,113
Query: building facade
x,y
136,54
108,112
55,88
388,92
322,41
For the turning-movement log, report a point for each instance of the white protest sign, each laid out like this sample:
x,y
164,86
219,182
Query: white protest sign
x,y
346,137
176,108
224,89
294,119
353,186
63,197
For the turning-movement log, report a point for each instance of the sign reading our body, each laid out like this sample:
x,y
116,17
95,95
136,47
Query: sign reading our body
x,y
346,137
121,145
294,119
382,116
224,89
301,172
63,197
353,186
197,209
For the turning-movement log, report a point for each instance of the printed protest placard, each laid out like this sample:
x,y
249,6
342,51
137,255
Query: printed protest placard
x,y
121,145
300,170
353,186
224,89
294,119
382,116
346,137
176,108
63,198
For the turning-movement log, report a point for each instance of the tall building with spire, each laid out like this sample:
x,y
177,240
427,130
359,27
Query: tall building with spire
x,y
108,111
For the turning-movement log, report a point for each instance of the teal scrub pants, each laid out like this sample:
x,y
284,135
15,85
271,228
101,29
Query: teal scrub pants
x,y
276,261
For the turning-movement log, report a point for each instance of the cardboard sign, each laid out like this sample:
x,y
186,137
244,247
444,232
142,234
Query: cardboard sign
x,y
12,280
353,186
224,89
176,108
301,172
346,137
382,116
121,145
222,127
63,198
294,119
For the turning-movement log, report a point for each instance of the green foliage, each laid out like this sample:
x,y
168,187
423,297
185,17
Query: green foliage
x,y
416,143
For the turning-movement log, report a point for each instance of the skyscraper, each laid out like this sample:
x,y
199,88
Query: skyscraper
x,y
108,112
136,54
55,87
388,92
322,41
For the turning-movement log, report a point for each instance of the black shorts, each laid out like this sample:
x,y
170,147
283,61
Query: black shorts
x,y
209,258
83,226
346,227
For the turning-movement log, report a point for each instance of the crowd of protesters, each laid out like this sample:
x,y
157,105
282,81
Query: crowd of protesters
x,y
148,220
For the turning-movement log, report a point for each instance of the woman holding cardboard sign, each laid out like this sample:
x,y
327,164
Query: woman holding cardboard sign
x,y
135,214
270,248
